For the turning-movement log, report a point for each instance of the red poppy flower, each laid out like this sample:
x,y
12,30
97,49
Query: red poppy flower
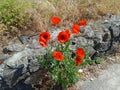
x,y
80,52
82,22
58,55
42,43
63,37
78,60
55,20
45,36
68,32
75,29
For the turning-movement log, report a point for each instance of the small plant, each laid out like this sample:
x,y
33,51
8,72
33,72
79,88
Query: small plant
x,y
59,63
12,13
99,60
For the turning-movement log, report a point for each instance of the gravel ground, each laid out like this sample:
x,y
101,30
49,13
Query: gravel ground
x,y
108,80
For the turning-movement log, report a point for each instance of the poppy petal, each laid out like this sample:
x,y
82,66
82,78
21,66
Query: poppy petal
x,y
82,22
78,60
42,43
58,55
44,36
55,20
75,29
63,37
80,52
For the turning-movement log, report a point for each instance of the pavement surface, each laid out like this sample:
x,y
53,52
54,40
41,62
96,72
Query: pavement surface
x,y
109,79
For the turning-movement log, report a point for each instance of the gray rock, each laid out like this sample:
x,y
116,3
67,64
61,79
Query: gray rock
x,y
114,48
114,18
33,78
33,65
12,74
105,29
6,51
82,30
90,34
37,48
24,39
99,35
34,44
2,67
73,47
103,46
116,31
107,23
28,80
89,31
8,76
106,37
90,42
15,47
19,58
38,52
54,33
81,41
15,67
4,57
90,50
117,24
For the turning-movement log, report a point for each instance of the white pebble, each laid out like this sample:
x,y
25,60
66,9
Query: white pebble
x,y
80,70
91,79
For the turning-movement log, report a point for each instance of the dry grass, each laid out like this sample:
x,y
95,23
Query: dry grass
x,y
71,11
68,10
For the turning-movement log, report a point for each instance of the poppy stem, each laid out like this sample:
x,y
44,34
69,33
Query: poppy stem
x,y
67,45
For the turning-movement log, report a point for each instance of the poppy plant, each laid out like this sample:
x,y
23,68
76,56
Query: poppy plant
x,y
59,65
55,20
58,55
63,37
82,22
45,36
75,29
80,52
78,60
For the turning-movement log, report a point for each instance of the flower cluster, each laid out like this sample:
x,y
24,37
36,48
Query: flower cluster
x,y
63,37
60,62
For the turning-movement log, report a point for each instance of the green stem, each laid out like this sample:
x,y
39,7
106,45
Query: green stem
x,y
67,45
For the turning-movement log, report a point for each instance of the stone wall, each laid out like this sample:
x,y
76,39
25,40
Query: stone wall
x,y
100,38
